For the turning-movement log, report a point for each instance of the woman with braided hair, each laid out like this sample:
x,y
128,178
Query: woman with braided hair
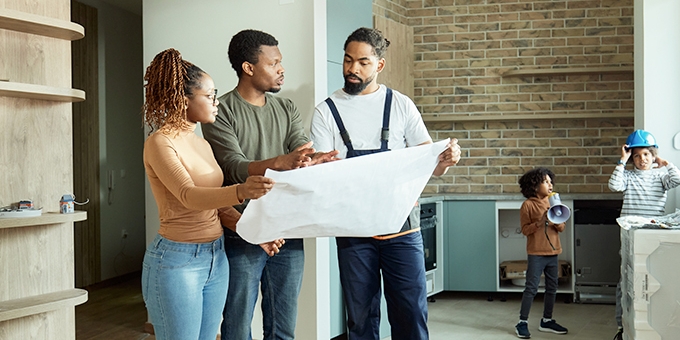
x,y
185,271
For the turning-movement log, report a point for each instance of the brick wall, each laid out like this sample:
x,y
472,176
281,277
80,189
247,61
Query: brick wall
x,y
462,48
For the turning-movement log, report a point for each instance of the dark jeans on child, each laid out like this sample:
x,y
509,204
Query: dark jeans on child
x,y
537,265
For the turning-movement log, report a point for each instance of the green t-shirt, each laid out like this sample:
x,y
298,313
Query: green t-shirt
x,y
243,132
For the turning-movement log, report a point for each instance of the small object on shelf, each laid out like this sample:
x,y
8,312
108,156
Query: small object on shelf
x,y
17,211
68,202
515,271
25,204
66,205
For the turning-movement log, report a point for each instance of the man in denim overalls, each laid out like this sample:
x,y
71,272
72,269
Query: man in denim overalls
x,y
363,118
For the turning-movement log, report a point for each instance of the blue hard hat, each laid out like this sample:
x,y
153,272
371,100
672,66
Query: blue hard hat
x,y
640,139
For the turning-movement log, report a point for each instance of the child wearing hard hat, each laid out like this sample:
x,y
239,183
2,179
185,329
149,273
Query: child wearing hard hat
x,y
644,187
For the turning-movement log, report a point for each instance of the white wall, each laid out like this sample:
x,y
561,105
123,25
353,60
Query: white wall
x,y
657,77
201,31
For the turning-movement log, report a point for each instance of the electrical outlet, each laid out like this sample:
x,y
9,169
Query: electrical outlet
x,y
123,233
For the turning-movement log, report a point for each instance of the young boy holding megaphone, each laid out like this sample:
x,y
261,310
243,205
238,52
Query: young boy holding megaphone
x,y
542,219
644,187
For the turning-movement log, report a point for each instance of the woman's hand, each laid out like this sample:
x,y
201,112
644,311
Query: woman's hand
x,y
254,187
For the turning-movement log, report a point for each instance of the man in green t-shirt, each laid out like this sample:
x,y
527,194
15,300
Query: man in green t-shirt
x,y
254,131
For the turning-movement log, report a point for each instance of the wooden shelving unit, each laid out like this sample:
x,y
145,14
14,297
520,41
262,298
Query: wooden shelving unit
x,y
28,272
39,25
506,117
40,92
568,71
17,308
45,218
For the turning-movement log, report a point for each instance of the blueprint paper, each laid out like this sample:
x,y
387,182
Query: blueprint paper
x,y
360,196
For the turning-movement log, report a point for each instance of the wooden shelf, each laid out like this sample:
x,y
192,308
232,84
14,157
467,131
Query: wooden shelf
x,y
549,116
46,218
567,71
40,25
32,305
41,92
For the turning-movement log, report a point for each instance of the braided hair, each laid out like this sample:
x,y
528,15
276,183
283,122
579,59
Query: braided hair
x,y
169,79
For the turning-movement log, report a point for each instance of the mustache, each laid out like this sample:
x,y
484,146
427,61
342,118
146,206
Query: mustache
x,y
353,76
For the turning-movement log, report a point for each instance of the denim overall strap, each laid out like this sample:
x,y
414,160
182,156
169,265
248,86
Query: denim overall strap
x,y
384,133
341,126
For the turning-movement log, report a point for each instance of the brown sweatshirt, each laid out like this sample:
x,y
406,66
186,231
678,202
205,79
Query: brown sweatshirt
x,y
187,185
532,216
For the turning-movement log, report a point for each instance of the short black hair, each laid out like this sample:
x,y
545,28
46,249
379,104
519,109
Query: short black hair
x,y
372,37
532,179
246,46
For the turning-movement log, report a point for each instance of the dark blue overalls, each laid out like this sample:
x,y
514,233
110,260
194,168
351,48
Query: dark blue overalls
x,y
401,260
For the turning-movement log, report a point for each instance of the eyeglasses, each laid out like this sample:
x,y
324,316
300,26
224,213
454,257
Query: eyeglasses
x,y
212,96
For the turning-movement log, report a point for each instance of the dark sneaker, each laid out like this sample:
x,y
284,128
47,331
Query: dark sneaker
x,y
522,330
552,327
619,335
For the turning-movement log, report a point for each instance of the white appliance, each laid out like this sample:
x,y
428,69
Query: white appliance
x,y
651,284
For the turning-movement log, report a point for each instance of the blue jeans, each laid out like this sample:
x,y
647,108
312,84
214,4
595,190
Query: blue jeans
x,y
402,263
536,266
184,286
280,278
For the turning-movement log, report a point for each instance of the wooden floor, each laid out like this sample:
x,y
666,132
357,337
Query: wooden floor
x,y
114,310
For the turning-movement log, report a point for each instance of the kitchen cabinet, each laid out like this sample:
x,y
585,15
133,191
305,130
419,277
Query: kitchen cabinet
x,y
470,246
481,232
511,245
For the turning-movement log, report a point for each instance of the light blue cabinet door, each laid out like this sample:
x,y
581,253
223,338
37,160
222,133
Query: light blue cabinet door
x,y
470,246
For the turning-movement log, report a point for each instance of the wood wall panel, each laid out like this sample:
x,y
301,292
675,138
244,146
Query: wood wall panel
x,y
86,146
398,71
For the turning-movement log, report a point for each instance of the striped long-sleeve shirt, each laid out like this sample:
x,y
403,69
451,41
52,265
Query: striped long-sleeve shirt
x,y
644,191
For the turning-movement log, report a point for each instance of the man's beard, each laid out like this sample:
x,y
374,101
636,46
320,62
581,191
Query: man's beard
x,y
274,90
355,88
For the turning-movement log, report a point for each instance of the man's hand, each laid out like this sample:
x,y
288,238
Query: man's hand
x,y
449,157
324,157
273,247
299,158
